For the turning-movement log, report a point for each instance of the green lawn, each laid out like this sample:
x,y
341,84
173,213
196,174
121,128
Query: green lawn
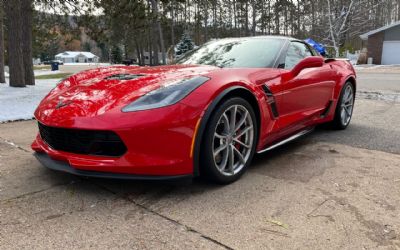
x,y
53,76
39,67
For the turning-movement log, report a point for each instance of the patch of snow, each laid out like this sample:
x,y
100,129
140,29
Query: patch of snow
x,y
46,72
379,95
20,103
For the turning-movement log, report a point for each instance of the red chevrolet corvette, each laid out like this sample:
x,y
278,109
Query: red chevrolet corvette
x,y
206,115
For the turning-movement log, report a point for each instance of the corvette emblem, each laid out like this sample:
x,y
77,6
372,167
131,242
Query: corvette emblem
x,y
61,104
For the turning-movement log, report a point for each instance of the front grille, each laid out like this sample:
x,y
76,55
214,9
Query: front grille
x,y
78,141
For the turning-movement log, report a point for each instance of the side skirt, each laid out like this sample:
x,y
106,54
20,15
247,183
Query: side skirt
x,y
289,139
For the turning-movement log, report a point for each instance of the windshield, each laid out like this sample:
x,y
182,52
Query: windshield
x,y
236,53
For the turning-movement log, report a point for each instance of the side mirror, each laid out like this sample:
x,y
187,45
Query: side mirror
x,y
308,62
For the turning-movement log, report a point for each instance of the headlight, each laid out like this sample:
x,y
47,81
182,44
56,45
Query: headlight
x,y
166,96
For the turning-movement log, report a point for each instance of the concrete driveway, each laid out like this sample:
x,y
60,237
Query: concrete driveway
x,y
330,190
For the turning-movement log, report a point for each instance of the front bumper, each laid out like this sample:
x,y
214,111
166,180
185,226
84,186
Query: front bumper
x,y
158,142
63,166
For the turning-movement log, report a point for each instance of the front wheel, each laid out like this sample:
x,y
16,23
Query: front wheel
x,y
344,108
230,141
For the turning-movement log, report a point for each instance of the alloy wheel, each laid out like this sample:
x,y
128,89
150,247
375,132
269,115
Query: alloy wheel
x,y
233,140
346,110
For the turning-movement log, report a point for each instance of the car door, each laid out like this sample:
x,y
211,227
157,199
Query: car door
x,y
306,95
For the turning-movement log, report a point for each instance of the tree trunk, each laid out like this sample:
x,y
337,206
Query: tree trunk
x,y
205,21
214,10
162,45
2,75
15,56
158,28
235,15
253,5
27,20
246,22
398,10
277,27
172,25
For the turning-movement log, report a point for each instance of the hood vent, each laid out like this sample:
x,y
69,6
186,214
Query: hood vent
x,y
123,77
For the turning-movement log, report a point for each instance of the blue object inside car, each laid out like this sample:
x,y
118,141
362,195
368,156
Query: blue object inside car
x,y
317,46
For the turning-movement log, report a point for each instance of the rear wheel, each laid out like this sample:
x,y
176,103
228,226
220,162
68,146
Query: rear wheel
x,y
230,141
344,108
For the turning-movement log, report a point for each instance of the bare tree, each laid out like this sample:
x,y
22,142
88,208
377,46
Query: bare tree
x,y
337,25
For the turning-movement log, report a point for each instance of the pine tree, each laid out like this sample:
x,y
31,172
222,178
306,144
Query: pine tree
x,y
185,44
116,54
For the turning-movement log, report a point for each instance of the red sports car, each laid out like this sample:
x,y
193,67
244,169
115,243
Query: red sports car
x,y
206,115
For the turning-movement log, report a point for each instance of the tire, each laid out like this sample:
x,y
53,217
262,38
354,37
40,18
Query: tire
x,y
233,150
344,107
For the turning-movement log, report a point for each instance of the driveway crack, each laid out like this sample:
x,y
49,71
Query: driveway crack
x,y
14,145
33,192
176,222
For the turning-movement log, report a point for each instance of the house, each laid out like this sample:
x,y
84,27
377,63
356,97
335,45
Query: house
x,y
383,44
77,57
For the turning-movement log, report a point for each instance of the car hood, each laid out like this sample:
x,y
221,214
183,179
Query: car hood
x,y
94,92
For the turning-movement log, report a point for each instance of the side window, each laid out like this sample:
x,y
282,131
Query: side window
x,y
296,52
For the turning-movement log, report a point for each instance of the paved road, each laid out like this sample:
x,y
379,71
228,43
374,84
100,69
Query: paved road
x,y
386,82
330,190
375,124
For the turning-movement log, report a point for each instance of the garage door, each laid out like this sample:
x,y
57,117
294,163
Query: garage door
x,y
391,52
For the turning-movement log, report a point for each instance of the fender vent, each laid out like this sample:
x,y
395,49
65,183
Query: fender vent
x,y
327,109
271,101
123,77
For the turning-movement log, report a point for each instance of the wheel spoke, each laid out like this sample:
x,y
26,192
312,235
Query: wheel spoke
x,y
243,132
230,159
349,95
242,121
219,136
222,166
240,156
219,149
227,127
347,111
233,118
241,143
349,99
343,116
